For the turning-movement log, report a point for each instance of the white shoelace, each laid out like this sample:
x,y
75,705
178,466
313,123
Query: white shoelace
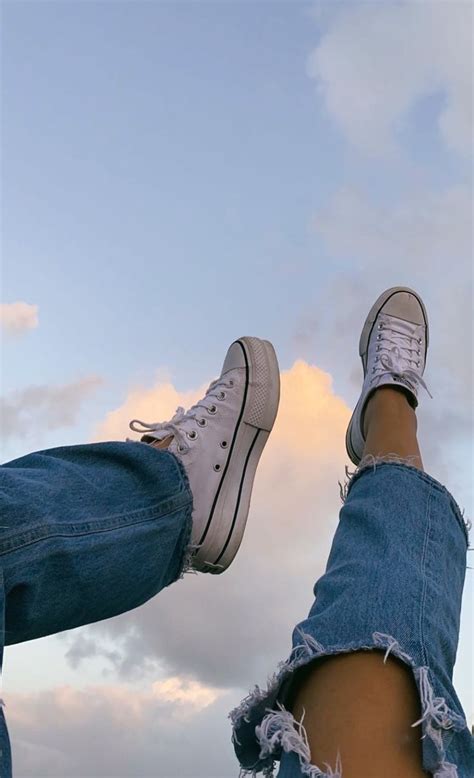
x,y
392,364
175,425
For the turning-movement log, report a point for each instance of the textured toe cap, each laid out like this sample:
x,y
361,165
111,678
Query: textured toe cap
x,y
405,305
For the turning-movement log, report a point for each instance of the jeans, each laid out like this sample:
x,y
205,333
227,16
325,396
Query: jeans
x,y
393,582
89,532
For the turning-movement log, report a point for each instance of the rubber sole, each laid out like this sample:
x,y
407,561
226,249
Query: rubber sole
x,y
225,530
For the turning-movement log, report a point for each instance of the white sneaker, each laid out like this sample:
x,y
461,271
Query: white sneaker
x,y
393,347
220,441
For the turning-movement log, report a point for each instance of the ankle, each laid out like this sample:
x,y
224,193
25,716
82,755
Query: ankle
x,y
386,399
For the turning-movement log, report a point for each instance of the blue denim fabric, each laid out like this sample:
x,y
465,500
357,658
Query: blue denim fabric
x,y
86,532
393,581
92,531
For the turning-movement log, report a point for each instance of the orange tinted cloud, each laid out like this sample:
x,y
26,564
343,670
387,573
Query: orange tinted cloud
x,y
18,317
293,514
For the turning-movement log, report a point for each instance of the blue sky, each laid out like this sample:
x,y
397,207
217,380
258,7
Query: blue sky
x,y
161,166
178,174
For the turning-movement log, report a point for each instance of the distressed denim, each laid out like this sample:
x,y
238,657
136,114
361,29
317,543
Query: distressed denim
x,y
89,532
86,532
393,582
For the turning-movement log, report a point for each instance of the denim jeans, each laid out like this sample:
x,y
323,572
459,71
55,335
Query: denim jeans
x,y
89,532
86,533
393,582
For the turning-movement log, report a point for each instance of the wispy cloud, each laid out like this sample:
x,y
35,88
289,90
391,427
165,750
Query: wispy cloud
x,y
40,408
374,62
17,318
168,727
424,238
424,230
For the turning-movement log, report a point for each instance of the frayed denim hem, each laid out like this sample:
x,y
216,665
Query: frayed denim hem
x,y
263,729
279,731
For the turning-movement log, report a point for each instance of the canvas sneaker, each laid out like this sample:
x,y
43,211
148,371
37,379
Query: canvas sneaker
x,y
220,441
393,348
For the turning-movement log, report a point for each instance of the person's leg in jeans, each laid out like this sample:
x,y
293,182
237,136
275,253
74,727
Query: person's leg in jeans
x,y
370,673
89,532
381,741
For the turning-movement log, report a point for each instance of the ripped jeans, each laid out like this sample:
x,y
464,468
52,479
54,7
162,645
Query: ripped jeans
x,y
89,532
402,536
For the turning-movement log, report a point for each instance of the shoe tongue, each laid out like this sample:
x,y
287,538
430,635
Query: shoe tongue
x,y
403,326
163,442
157,442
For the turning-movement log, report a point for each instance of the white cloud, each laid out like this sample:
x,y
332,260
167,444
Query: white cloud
x,y
212,637
375,61
423,242
39,408
424,231
168,729
158,402
191,694
295,505
17,318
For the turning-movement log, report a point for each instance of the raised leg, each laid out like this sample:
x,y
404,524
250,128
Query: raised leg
x,y
354,702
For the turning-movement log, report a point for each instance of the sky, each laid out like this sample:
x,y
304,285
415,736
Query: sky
x,y
174,176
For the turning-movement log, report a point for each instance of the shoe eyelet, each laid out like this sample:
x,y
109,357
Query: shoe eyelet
x,y
201,422
181,449
419,340
418,364
217,468
192,435
231,382
212,410
419,352
224,444
373,370
221,396
378,348
381,326
378,337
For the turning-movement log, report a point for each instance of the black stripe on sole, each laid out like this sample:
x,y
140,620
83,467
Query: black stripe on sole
x,y
237,427
238,498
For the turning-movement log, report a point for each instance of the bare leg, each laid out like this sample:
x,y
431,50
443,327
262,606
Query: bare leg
x,y
354,702
390,425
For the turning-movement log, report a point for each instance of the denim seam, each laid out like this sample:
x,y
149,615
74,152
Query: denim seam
x,y
423,576
180,469
161,510
279,732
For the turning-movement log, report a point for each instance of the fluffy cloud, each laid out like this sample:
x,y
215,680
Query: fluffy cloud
x,y
374,62
258,600
191,693
167,729
410,244
155,404
39,408
212,637
17,318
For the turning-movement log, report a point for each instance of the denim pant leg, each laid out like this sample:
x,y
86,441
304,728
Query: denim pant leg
x,y
86,533
393,582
